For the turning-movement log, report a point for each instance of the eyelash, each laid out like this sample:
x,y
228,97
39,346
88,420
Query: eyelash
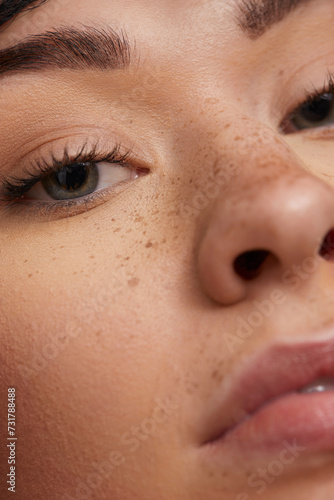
x,y
327,89
310,96
14,188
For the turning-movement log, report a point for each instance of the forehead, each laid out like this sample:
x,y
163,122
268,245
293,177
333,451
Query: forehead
x,y
157,21
165,32
191,43
142,17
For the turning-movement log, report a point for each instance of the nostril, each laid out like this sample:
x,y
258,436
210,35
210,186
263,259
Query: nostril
x,y
248,265
327,248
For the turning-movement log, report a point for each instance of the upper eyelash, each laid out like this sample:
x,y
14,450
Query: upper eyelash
x,y
327,88
310,96
15,187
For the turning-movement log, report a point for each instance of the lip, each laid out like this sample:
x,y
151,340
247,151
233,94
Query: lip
x,y
259,407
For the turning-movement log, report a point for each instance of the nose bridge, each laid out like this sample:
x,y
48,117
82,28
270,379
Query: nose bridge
x,y
253,159
274,213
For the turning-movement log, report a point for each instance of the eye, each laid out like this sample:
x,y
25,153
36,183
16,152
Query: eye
x,y
317,111
78,180
69,185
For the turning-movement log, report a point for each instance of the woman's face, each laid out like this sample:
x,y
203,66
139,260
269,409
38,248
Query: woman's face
x,y
141,325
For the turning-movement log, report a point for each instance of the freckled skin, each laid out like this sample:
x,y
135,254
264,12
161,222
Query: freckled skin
x,y
112,321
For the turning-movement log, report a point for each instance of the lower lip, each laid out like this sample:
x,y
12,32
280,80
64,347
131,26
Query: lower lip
x,y
306,420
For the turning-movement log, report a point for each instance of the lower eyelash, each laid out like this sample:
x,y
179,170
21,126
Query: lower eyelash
x,y
61,209
14,188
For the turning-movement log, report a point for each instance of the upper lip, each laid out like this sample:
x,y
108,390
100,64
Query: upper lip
x,y
279,369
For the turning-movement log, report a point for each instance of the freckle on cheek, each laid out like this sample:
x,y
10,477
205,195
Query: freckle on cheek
x,y
133,282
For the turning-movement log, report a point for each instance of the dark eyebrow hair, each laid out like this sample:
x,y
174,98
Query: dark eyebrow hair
x,y
67,48
255,17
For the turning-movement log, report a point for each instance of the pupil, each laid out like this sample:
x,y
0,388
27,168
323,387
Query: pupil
x,y
73,177
72,181
318,110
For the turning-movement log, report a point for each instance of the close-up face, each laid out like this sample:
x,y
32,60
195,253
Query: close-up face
x,y
167,249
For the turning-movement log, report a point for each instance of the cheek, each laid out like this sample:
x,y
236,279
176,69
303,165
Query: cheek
x,y
68,346
59,307
85,368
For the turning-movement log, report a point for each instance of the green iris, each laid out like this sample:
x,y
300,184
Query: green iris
x,y
72,181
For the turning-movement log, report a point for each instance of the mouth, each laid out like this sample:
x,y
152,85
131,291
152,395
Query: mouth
x,y
284,394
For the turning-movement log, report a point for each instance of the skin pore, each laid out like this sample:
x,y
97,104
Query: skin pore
x,y
118,315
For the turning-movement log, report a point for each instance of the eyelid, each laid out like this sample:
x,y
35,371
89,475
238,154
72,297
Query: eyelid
x,y
48,211
309,96
39,168
14,186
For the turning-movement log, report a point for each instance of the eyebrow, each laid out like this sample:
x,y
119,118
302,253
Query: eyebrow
x,y
67,48
256,17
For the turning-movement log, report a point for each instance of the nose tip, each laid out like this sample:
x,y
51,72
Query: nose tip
x,y
246,239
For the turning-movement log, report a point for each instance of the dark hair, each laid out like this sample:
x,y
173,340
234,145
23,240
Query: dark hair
x,y
11,8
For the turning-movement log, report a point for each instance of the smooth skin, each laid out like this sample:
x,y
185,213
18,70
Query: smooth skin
x,y
114,319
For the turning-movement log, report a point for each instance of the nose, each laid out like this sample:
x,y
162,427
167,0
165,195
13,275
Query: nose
x,y
264,229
